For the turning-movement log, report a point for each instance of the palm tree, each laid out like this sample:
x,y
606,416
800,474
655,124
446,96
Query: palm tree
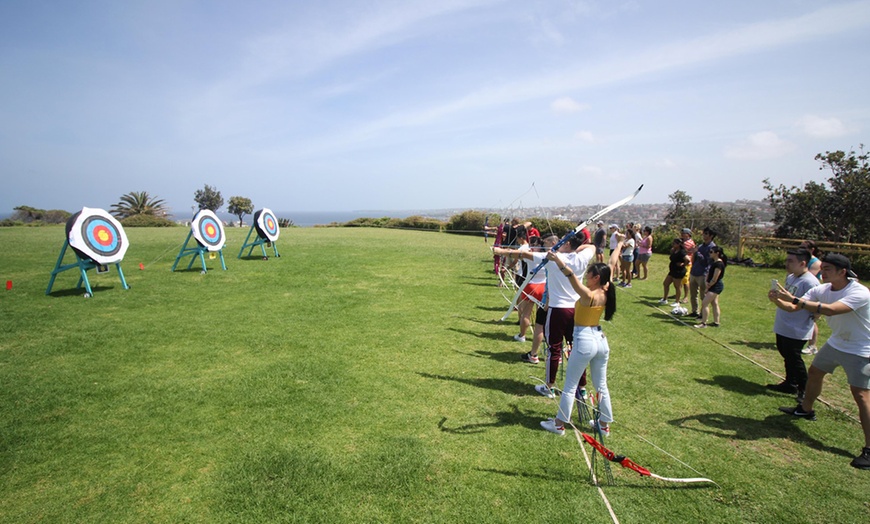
x,y
138,203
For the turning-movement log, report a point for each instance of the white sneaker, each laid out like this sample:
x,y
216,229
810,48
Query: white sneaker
x,y
663,301
550,425
605,432
543,389
810,350
675,304
519,338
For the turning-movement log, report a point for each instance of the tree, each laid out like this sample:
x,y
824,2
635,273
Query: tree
x,y
208,198
681,208
240,206
138,203
840,213
28,214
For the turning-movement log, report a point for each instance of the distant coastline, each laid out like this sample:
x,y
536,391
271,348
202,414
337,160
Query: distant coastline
x,y
643,213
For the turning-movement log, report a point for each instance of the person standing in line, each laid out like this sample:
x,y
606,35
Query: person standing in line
x,y
846,303
597,296
533,293
614,241
815,267
676,271
794,328
689,246
644,252
626,257
698,272
600,241
560,302
713,288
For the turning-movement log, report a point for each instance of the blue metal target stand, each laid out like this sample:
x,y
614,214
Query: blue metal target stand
x,y
97,240
266,226
208,232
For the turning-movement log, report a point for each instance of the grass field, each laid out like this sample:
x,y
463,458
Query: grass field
x,y
363,376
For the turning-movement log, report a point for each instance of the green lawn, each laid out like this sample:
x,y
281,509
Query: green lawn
x,y
363,375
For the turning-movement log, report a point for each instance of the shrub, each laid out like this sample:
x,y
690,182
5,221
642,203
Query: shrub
x,y
147,221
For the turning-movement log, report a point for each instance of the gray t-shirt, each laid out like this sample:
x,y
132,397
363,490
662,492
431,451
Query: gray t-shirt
x,y
798,324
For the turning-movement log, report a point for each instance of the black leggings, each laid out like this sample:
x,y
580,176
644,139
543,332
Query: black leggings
x,y
795,369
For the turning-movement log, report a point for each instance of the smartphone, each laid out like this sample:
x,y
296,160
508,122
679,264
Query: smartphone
x,y
774,284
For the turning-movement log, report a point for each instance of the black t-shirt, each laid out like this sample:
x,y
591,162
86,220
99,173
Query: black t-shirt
x,y
713,266
677,266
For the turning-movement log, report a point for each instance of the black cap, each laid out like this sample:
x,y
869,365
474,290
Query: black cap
x,y
836,259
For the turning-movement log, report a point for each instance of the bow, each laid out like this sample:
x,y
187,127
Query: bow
x,y
630,464
590,220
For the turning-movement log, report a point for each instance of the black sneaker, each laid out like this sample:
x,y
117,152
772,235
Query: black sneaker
x,y
783,387
694,315
531,359
799,412
862,461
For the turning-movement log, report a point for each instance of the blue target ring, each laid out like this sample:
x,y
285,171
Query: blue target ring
x,y
210,230
270,223
101,236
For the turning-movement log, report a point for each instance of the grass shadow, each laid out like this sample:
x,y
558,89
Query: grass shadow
x,y
755,345
778,426
506,357
735,385
513,417
478,334
80,291
505,385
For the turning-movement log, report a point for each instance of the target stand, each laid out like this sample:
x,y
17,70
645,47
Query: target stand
x,y
208,232
97,240
266,226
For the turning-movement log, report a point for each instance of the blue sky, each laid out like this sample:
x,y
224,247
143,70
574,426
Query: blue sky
x,y
394,105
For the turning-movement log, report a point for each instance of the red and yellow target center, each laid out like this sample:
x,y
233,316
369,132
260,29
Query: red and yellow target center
x,y
210,230
102,235
270,224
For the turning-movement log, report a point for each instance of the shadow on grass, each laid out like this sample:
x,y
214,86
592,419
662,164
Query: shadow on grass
x,y
505,385
514,417
478,334
507,357
256,257
755,345
735,385
780,426
500,309
81,291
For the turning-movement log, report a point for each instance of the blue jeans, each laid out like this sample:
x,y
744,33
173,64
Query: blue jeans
x,y
590,349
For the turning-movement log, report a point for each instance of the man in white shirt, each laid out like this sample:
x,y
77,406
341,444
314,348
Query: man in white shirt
x,y
846,303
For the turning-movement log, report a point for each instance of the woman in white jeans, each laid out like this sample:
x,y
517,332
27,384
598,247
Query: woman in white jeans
x,y
597,297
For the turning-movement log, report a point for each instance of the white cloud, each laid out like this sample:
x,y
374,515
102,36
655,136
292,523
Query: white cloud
x,y
585,136
820,127
566,104
758,146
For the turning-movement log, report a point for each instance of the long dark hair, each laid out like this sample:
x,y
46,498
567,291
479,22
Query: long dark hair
x,y
602,271
721,253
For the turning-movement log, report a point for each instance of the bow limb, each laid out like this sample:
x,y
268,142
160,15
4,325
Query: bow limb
x,y
630,464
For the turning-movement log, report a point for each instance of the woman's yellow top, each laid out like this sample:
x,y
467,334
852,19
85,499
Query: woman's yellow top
x,y
587,315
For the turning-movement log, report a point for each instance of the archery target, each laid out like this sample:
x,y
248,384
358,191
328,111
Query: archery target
x,y
266,224
208,230
96,235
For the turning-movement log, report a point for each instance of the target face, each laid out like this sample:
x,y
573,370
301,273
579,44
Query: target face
x,y
97,235
266,224
208,230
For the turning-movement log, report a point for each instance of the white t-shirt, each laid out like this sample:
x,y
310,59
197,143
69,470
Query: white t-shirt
x,y
613,240
559,291
850,332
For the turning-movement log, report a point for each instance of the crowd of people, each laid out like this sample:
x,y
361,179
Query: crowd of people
x,y
576,286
